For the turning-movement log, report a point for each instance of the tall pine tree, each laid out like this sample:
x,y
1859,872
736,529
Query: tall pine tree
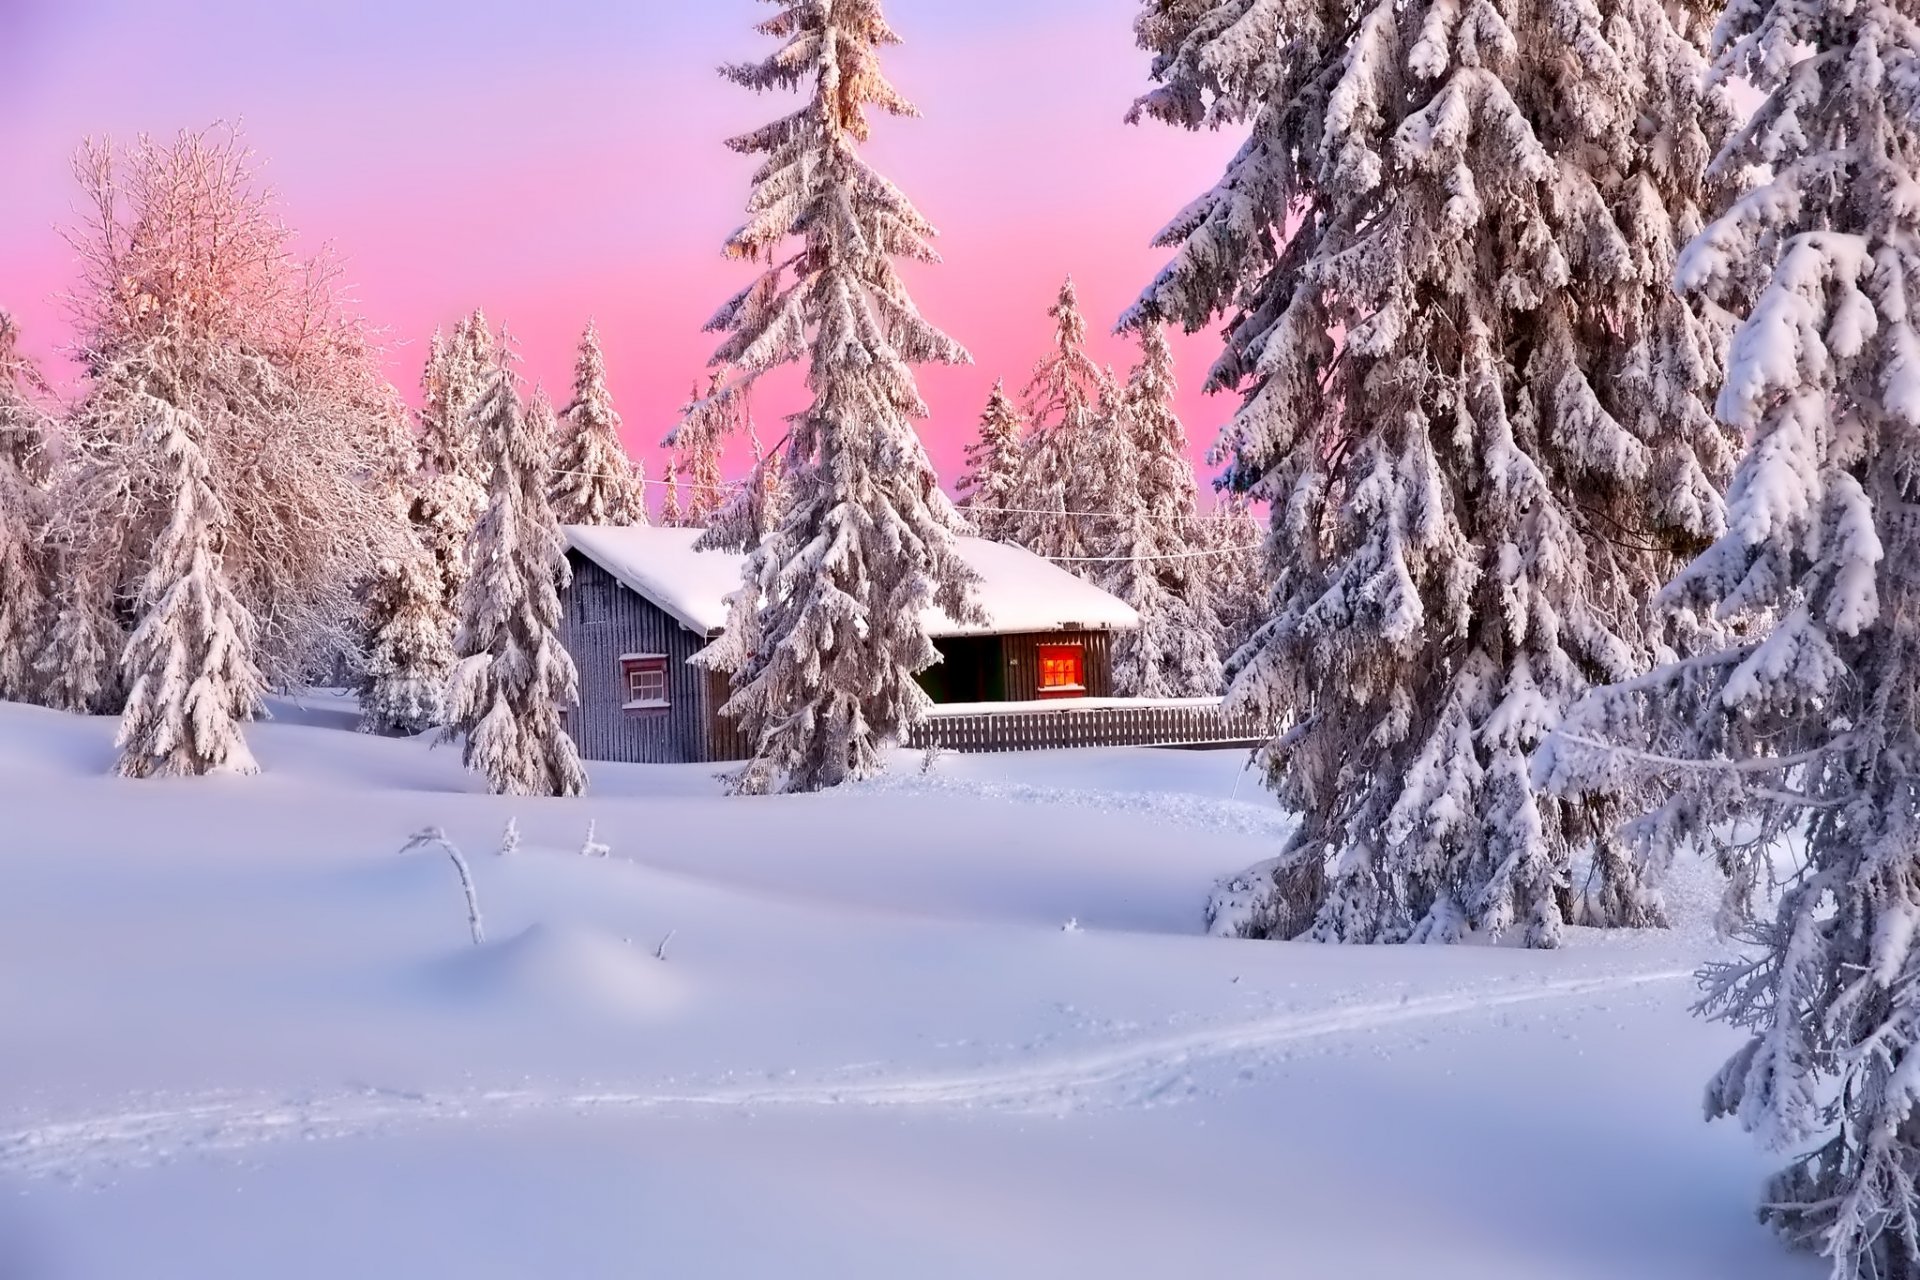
x,y
1473,404
514,676
594,480
829,630
1803,733
989,487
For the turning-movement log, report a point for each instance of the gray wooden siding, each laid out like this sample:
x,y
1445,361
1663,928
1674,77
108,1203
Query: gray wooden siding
x,y
602,621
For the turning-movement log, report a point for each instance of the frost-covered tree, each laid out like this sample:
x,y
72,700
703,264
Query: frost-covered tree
x,y
1475,406
1064,500
191,290
991,483
459,370
454,479
673,514
828,631
410,655
26,442
1802,735
513,676
594,480
189,669
1154,555
706,421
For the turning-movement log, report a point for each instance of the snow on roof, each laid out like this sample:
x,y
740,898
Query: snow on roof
x,y
1020,591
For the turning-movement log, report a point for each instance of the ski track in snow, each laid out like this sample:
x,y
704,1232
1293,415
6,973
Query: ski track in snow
x,y
1127,1074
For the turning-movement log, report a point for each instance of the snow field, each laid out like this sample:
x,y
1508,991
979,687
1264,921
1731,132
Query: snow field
x,y
260,1042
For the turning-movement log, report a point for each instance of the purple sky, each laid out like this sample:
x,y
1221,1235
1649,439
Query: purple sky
x,y
555,161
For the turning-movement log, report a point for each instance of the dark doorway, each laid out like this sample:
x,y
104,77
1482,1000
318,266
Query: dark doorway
x,y
970,670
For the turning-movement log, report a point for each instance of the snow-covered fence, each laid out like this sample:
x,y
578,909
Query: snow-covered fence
x,y
1088,722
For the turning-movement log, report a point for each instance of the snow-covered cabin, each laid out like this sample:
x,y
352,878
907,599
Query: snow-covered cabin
x,y
643,602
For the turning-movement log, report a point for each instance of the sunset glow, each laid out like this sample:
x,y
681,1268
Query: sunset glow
x,y
569,165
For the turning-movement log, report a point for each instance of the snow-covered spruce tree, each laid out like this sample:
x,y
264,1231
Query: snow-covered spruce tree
x,y
409,643
26,441
696,442
594,481
189,669
453,483
513,676
1064,500
988,488
409,654
1155,557
1476,408
828,632
191,289
672,514
1805,734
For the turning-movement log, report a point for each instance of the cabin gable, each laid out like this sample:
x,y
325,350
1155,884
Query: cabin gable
x,y
611,632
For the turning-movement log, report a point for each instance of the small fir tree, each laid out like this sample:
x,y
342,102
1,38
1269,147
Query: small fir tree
x,y
189,666
410,657
1064,496
672,514
1157,560
989,488
595,482
514,676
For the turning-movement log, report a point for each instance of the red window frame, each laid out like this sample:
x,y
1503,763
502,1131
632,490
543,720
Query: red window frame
x,y
646,672
1062,670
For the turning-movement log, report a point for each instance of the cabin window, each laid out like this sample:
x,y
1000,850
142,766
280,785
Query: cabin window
x,y
1063,671
645,679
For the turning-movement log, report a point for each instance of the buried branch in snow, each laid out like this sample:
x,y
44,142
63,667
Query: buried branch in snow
x,y
431,836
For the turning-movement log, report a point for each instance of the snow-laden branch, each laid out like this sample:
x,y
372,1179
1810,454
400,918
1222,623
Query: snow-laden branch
x,y
431,837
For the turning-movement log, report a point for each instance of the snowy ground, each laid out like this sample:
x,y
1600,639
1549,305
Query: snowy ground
x,y
245,1038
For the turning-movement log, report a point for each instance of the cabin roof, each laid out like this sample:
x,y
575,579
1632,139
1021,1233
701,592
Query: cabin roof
x,y
1020,591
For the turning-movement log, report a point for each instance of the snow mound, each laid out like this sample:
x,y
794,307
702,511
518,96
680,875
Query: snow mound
x,y
566,969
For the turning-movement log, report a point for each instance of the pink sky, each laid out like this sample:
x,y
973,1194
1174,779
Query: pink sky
x,y
569,163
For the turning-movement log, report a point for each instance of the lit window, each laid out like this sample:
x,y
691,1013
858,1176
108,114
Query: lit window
x,y
646,677
1063,671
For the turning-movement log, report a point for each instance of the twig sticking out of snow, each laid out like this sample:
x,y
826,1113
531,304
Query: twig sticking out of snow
x,y
592,848
510,838
660,952
931,758
430,836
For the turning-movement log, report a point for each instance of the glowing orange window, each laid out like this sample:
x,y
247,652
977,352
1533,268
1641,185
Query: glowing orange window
x,y
1063,671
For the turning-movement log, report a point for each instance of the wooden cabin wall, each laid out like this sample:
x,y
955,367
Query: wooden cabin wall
x,y
1021,653
723,741
601,621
